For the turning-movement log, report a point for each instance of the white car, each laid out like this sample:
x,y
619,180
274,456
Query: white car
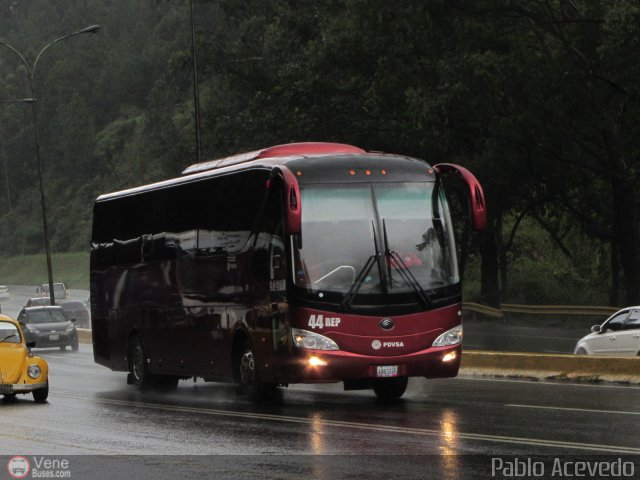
x,y
4,292
618,335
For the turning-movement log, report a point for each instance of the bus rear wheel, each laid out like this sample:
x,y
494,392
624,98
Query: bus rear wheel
x,y
390,388
249,382
140,374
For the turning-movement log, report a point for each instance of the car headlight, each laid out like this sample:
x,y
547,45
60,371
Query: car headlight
x,y
70,328
450,337
34,371
32,330
312,341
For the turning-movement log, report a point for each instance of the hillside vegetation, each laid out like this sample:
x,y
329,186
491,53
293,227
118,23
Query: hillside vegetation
x,y
539,98
72,269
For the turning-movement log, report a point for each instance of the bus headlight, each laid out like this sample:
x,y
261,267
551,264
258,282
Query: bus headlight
x,y
34,371
312,341
450,337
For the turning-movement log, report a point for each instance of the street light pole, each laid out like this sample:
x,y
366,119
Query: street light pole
x,y
34,111
196,94
6,176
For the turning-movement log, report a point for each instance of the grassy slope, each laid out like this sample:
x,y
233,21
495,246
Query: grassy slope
x,y
70,268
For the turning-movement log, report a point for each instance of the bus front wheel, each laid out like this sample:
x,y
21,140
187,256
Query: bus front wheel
x,y
390,388
250,383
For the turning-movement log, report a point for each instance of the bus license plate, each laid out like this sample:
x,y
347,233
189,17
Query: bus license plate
x,y
54,337
387,371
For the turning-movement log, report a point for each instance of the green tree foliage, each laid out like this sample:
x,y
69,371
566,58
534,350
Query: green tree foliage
x,y
538,97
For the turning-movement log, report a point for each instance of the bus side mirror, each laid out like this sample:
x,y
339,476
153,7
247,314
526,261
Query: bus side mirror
x,y
31,344
292,207
477,202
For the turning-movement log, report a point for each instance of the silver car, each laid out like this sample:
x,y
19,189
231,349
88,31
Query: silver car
x,y
618,335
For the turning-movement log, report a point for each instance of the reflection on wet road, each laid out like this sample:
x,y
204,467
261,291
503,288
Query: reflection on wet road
x,y
92,411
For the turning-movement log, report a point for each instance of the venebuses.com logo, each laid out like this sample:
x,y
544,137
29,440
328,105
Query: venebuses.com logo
x,y
38,467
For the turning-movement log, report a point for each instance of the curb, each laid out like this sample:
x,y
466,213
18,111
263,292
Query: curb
x,y
551,367
84,335
539,366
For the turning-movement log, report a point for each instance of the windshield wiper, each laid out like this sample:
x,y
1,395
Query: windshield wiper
x,y
404,271
8,337
353,291
362,274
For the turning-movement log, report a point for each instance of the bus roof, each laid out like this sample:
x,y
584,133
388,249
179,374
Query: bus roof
x,y
285,150
267,159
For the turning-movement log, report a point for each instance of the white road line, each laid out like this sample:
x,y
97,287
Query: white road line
x,y
545,383
366,426
584,410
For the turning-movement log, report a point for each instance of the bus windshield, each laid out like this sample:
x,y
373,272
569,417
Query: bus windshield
x,y
380,238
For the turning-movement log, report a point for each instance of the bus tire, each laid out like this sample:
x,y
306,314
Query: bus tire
x,y
142,378
389,388
165,383
249,382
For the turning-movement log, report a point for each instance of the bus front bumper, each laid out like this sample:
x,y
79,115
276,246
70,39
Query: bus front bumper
x,y
319,366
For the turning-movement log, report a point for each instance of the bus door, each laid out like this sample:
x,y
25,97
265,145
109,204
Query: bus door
x,y
278,305
266,318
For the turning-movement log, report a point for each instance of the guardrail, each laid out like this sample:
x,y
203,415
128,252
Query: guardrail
x,y
538,309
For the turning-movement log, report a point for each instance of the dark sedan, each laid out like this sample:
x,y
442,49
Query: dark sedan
x,y
47,326
78,312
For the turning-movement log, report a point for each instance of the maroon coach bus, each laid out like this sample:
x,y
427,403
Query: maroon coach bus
x,y
300,263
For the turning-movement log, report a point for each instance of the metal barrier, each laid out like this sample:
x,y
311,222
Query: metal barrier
x,y
538,309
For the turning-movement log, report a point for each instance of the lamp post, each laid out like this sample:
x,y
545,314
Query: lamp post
x,y
34,111
196,94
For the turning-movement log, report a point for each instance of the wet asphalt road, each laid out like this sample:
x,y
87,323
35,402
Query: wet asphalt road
x,y
447,428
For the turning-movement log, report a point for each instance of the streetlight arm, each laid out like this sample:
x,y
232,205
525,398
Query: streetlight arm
x,y
22,59
90,29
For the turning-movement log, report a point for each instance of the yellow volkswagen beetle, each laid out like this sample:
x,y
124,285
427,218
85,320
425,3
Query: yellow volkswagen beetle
x,y
20,372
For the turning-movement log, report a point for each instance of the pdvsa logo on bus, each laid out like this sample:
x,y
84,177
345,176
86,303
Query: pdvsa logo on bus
x,y
377,344
18,467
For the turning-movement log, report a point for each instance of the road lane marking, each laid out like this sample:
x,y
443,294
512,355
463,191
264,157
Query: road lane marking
x,y
568,409
364,426
558,383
